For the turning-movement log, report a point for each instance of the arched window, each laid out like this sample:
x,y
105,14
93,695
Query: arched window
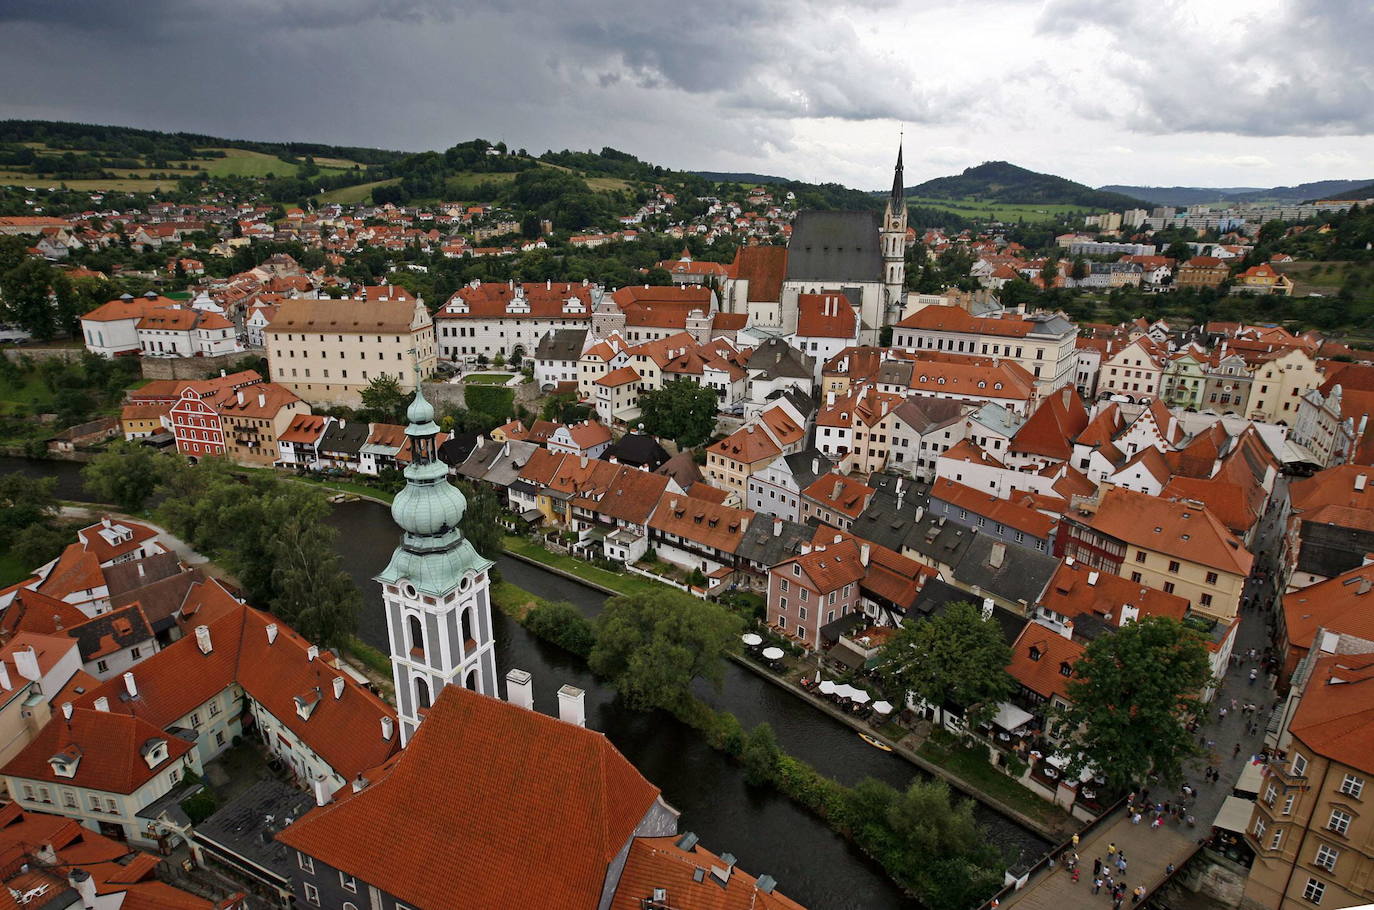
x,y
417,635
421,694
470,682
467,627
349,906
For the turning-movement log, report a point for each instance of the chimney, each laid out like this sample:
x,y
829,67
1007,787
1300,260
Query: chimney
x,y
863,554
520,688
141,572
262,400
570,706
1360,481
1093,577
360,783
26,662
777,527
239,393
102,704
5,676
1065,396
83,885
338,687
271,632
388,727
203,639
999,553
130,685
582,462
312,652
815,466
320,787
67,711
1066,630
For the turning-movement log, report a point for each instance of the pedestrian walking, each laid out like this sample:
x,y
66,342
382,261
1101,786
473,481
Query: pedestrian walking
x,y
1135,818
1235,751
1111,851
1074,840
1156,823
1097,866
1074,875
1097,884
1121,864
1253,674
1221,712
1169,870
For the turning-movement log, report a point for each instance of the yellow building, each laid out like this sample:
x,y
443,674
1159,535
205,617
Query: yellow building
x,y
732,461
1313,841
327,351
1278,382
1263,279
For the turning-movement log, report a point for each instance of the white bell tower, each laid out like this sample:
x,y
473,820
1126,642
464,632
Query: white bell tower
x,y
436,587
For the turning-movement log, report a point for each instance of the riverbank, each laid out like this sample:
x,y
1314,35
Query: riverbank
x,y
1047,826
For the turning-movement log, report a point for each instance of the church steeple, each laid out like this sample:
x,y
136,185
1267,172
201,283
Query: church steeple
x,y
438,612
898,197
894,245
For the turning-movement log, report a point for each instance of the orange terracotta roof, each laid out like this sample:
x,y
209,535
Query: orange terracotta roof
x,y
747,445
830,565
1334,486
110,747
657,862
764,267
957,319
1227,501
107,550
697,520
1077,589
1050,431
1336,715
781,425
618,377
843,494
76,570
1001,511
579,801
825,316
1185,530
263,400
491,300
1040,659
968,450
305,428
702,490
1340,604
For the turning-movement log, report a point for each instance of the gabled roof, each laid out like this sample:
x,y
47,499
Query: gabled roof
x,y
1050,431
1340,604
530,806
1012,572
343,316
1005,512
827,315
109,745
1336,715
658,862
1345,485
844,495
1186,530
110,539
970,451
1039,659
747,445
830,565
707,523
1077,589
835,246
764,267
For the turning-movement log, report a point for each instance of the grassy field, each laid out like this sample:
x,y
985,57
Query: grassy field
x,y
351,194
488,378
607,184
99,185
235,163
244,163
1325,278
996,211
623,584
29,393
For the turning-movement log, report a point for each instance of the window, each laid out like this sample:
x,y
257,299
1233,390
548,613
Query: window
x,y
804,595
1299,765
306,863
1168,587
1276,839
214,708
785,584
1140,556
102,666
219,738
135,653
796,569
782,603
1173,566
348,882
312,894
1340,821
1205,599
1288,803
1135,577
801,613
1211,578
1352,786
1326,857
1313,891
1259,828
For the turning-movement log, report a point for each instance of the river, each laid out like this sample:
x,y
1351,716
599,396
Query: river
x,y
766,832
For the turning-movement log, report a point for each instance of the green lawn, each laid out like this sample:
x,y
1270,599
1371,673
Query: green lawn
x,y
11,570
489,378
996,211
975,770
359,193
29,393
245,163
623,584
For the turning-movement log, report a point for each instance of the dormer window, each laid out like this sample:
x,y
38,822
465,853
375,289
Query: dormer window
x,y
154,751
1034,652
64,763
306,702
1065,669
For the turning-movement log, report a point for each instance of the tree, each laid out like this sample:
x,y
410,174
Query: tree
x,y
126,474
958,658
652,646
25,502
760,754
1131,696
385,398
27,288
1179,251
564,625
1080,269
1050,272
681,410
312,592
480,523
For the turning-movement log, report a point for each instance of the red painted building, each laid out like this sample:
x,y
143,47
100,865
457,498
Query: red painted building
x,y
196,426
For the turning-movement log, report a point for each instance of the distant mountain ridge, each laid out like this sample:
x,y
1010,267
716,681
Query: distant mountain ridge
x,y
740,177
999,181
1197,195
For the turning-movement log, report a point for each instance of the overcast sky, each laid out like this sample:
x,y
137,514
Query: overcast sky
x,y
1164,92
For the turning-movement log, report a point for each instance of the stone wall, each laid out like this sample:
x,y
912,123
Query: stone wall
x,y
193,367
18,352
455,394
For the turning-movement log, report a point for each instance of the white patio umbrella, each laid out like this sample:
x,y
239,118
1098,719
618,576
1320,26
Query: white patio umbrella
x,y
882,707
772,653
861,697
752,640
844,690
828,687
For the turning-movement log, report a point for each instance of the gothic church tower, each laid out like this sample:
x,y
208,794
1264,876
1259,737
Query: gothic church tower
x,y
893,243
436,587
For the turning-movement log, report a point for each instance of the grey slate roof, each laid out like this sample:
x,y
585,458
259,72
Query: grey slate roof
x,y
835,247
895,372
766,545
945,542
637,450
241,828
682,469
806,465
776,358
561,344
344,437
925,414
937,595
1022,576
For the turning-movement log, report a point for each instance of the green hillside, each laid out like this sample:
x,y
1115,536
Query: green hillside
x,y
1007,184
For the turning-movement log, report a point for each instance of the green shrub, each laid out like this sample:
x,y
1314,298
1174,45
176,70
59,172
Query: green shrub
x,y
199,806
496,401
563,625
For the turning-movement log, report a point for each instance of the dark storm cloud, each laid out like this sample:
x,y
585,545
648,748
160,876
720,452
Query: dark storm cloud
x,y
1307,68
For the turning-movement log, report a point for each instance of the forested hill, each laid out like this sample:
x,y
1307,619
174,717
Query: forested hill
x,y
998,181
1302,192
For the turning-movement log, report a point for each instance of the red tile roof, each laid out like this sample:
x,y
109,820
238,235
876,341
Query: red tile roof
x,y
531,806
1077,589
1185,530
1340,604
110,747
77,569
1336,715
1005,512
1040,658
106,551
1050,431
825,316
545,301
844,495
657,862
702,522
618,377
304,428
764,267
747,445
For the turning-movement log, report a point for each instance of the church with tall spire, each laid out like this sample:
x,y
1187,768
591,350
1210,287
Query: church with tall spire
x,y
436,588
859,255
